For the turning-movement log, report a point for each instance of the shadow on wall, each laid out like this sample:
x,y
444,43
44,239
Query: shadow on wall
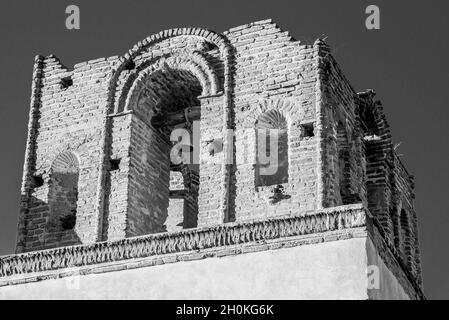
x,y
45,232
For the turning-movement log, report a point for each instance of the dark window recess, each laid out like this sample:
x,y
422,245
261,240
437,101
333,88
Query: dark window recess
x,y
36,181
209,46
66,82
307,130
114,164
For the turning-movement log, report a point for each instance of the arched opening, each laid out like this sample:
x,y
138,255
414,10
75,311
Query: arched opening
x,y
397,227
406,243
162,160
271,149
63,193
370,122
343,169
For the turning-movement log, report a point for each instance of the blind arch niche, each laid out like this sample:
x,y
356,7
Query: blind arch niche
x,y
271,149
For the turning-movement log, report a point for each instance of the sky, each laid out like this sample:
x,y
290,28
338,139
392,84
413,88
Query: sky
x,y
405,62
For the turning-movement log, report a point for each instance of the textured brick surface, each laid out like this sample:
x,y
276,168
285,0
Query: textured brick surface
x,y
336,144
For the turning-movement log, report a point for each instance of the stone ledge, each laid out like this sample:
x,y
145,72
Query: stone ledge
x,y
230,237
218,252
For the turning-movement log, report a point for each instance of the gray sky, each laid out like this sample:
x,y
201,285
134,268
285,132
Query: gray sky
x,y
405,62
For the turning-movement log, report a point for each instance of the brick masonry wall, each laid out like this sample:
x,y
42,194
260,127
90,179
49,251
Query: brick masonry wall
x,y
67,119
341,139
273,72
338,142
115,219
389,185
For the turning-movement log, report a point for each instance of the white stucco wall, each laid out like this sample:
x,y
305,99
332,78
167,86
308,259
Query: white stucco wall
x,y
330,270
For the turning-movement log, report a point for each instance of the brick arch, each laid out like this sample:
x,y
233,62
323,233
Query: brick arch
x,y
405,236
66,161
202,34
218,40
281,112
283,106
272,119
226,52
374,119
193,63
379,157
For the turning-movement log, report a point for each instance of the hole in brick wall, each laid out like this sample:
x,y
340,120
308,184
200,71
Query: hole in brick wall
x,y
278,194
37,181
307,130
114,164
66,82
129,65
68,222
216,146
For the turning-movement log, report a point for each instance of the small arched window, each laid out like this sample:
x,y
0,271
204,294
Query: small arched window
x,y
271,149
63,192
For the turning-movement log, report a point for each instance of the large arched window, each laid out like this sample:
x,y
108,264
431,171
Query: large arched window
x,y
271,149
63,192
166,107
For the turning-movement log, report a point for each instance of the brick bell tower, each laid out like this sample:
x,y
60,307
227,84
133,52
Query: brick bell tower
x,y
103,200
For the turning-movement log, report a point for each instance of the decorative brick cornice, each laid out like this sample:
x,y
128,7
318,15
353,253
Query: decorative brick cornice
x,y
339,218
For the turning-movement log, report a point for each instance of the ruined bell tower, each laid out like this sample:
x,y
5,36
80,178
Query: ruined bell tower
x,y
145,169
